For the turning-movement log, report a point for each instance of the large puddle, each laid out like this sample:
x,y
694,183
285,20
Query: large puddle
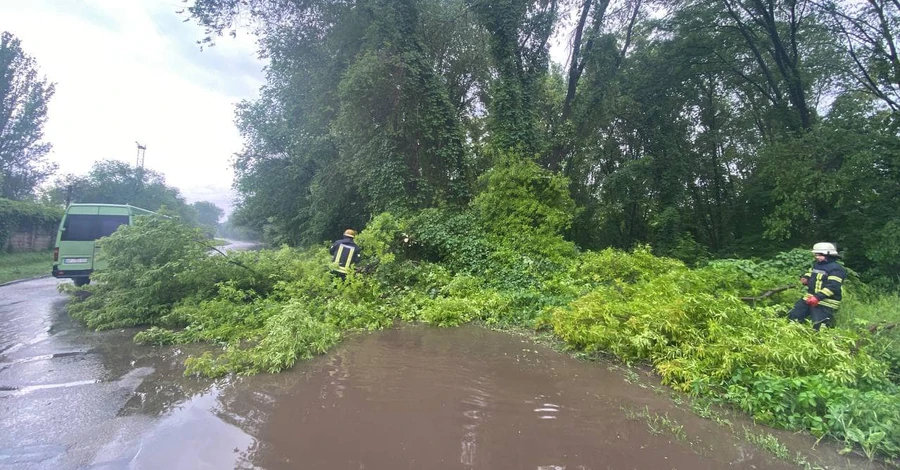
x,y
426,398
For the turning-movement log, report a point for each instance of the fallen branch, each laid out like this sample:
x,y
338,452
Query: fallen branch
x,y
874,327
767,294
227,258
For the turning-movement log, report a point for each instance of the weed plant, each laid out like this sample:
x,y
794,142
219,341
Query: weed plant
x,y
266,310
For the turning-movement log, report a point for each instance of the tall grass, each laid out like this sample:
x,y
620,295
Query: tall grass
x,y
880,314
14,266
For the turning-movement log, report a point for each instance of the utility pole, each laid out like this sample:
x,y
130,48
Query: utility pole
x,y
140,155
139,171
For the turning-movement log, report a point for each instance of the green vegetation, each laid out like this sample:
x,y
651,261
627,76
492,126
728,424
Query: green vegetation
x,y
268,309
626,205
702,132
657,423
117,182
777,448
24,214
14,266
24,96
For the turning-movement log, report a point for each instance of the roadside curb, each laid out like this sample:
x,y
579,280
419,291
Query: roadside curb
x,y
18,281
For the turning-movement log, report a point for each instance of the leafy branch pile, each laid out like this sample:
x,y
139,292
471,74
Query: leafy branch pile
x,y
265,310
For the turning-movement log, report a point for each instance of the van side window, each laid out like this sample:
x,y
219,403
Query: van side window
x,y
109,224
87,228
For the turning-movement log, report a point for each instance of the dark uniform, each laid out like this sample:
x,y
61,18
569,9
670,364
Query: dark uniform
x,y
823,281
345,253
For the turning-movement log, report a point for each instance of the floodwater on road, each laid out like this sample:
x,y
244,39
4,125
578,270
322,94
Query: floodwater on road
x,y
407,398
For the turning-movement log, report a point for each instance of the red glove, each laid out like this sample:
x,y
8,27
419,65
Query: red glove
x,y
804,281
812,302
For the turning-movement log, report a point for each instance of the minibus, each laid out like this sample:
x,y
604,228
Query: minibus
x,y
75,254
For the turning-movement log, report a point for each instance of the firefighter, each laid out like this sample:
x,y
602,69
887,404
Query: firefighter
x,y
823,287
345,253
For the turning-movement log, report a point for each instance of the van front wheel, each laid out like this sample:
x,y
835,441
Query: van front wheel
x,y
81,281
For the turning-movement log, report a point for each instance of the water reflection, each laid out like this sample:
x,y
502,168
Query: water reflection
x,y
547,410
476,403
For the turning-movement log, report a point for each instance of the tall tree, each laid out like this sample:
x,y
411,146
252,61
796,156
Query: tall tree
x,y
23,112
519,32
868,31
779,52
365,110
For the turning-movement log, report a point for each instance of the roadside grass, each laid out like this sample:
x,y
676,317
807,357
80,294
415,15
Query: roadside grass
x,y
14,266
881,316
878,310
657,423
774,446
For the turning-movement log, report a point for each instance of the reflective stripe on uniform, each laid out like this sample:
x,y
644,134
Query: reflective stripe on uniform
x,y
827,292
349,258
835,279
830,303
337,258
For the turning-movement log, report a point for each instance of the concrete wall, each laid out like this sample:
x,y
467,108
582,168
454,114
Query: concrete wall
x,y
31,237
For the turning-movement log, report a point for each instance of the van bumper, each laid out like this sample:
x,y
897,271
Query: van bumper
x,y
70,273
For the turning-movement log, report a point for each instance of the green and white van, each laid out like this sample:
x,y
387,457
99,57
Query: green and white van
x,y
81,226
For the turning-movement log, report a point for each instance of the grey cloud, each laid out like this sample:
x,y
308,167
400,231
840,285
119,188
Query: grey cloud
x,y
92,14
232,73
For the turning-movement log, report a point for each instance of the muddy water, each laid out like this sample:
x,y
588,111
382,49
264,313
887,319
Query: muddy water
x,y
408,398
417,398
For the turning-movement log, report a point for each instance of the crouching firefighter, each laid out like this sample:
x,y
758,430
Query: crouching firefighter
x,y
345,253
823,288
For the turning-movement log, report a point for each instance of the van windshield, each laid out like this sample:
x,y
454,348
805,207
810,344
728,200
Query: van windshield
x,y
85,228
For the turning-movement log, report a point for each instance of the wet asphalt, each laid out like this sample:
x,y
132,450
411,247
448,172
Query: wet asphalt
x,y
69,397
61,392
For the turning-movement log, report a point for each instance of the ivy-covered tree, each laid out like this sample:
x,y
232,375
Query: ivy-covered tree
x,y
365,110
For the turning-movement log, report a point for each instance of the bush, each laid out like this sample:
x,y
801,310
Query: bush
x,y
691,325
290,334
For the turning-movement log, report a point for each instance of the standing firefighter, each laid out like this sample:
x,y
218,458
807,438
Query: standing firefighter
x,y
345,253
823,287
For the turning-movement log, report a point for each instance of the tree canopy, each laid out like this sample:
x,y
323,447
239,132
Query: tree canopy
x,y
24,95
117,182
707,128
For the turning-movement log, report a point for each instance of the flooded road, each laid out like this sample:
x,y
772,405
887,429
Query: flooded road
x,y
407,398
469,398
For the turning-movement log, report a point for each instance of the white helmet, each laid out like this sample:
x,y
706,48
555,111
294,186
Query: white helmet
x,y
824,248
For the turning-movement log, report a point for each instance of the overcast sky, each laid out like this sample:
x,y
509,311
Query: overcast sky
x,y
130,70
